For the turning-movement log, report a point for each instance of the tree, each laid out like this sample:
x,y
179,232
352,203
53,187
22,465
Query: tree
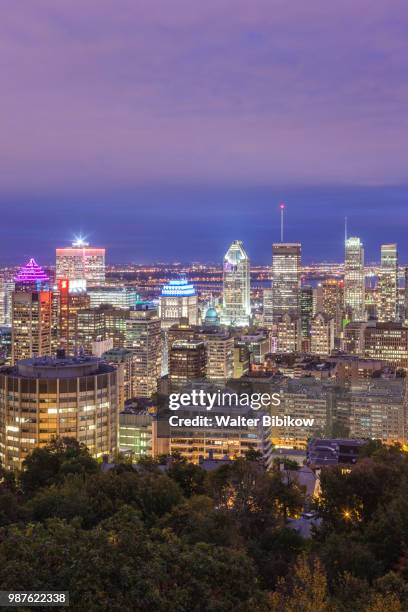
x,y
189,477
256,497
308,592
52,463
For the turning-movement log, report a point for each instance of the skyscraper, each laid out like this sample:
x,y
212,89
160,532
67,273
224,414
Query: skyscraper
x,y
69,303
31,313
387,307
236,286
286,270
306,309
178,300
187,362
6,290
144,338
354,278
81,262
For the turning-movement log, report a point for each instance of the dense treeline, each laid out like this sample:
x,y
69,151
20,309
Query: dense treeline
x,y
181,539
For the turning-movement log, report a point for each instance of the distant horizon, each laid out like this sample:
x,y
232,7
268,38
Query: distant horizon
x,y
185,223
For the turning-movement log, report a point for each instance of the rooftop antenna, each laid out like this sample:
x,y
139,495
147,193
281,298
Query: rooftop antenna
x,y
345,229
282,210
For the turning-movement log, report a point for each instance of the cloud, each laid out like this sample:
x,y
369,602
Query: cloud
x,y
107,93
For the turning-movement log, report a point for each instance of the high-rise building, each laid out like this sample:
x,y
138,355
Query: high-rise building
x,y
289,334
81,262
143,337
387,305
5,345
187,362
267,311
45,397
6,291
236,286
219,354
31,313
69,304
322,334
306,309
96,325
328,298
118,297
286,274
388,342
241,358
178,300
354,279
90,328
125,362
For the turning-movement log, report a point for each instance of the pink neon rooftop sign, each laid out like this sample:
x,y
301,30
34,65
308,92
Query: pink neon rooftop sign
x,y
31,273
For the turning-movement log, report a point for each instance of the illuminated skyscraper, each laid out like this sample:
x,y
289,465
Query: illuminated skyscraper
x,y
70,302
354,279
178,300
96,326
236,287
286,270
219,354
322,334
31,313
6,290
306,309
388,284
143,336
81,262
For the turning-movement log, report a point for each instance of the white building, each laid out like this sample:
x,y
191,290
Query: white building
x,y
81,262
236,286
119,297
178,300
354,279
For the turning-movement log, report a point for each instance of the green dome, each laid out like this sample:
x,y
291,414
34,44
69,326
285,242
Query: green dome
x,y
211,317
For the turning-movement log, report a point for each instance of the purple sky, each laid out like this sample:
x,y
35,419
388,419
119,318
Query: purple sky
x,y
103,100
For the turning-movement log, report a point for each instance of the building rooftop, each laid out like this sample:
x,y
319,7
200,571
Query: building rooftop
x,y
31,273
178,288
59,367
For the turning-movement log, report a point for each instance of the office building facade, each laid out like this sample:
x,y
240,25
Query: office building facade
x,y
286,279
354,279
387,302
46,397
236,286
81,262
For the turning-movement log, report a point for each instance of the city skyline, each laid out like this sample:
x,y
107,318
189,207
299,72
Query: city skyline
x,y
89,239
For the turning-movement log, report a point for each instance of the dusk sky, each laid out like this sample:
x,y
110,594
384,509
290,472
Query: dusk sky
x,y
164,130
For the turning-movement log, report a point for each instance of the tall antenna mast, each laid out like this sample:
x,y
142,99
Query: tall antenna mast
x,y
345,229
282,210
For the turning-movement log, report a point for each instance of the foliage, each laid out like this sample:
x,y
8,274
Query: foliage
x,y
168,535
